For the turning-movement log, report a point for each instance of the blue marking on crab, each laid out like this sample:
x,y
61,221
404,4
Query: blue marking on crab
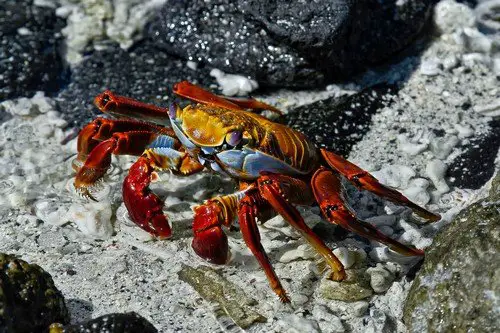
x,y
162,141
248,163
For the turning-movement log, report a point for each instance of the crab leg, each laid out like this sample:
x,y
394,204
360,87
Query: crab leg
x,y
327,188
270,189
363,180
99,159
144,207
209,240
102,129
247,213
198,94
122,106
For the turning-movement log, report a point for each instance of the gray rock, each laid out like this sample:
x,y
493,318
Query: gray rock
x,y
29,301
29,49
455,291
214,288
355,288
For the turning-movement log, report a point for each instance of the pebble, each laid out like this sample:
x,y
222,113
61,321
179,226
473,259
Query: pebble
x,y
346,256
328,322
490,110
417,191
442,147
93,219
380,278
450,16
232,85
302,251
476,41
395,175
430,67
436,170
411,148
296,324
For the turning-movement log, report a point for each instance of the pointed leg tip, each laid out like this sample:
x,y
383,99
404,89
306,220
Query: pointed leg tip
x,y
284,297
338,276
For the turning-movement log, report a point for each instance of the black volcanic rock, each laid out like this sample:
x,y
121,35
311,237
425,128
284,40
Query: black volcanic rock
x,y
29,300
336,123
29,49
288,43
217,33
129,322
143,73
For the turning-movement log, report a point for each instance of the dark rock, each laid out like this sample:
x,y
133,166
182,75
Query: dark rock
x,y
337,124
457,288
288,43
143,73
29,301
476,165
129,322
217,33
29,49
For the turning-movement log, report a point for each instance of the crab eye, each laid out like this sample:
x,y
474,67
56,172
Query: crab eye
x,y
234,138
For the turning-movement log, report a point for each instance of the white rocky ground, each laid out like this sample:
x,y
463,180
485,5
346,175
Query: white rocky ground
x,y
102,263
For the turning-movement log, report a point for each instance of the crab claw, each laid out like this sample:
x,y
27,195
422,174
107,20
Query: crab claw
x,y
210,241
95,167
143,206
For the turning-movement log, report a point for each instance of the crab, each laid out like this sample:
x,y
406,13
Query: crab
x,y
276,169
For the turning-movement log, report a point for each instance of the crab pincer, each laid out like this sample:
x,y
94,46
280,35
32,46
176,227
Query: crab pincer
x,y
144,207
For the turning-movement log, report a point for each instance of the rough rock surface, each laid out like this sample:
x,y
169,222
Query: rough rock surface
x,y
29,49
281,43
143,73
29,300
129,322
458,286
338,123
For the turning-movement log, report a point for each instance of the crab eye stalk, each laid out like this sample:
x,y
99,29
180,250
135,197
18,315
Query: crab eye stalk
x,y
172,110
234,138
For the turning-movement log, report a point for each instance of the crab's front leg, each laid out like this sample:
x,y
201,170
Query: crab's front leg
x,y
144,207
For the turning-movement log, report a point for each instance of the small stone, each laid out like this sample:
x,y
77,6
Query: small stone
x,y
93,219
476,41
380,278
450,16
301,252
436,170
295,324
355,288
346,257
409,147
328,322
360,308
232,85
442,147
417,191
215,288
395,175
430,67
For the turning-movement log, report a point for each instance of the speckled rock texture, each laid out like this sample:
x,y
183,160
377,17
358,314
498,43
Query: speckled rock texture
x,y
129,322
29,300
457,288
143,73
29,49
282,43
338,123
